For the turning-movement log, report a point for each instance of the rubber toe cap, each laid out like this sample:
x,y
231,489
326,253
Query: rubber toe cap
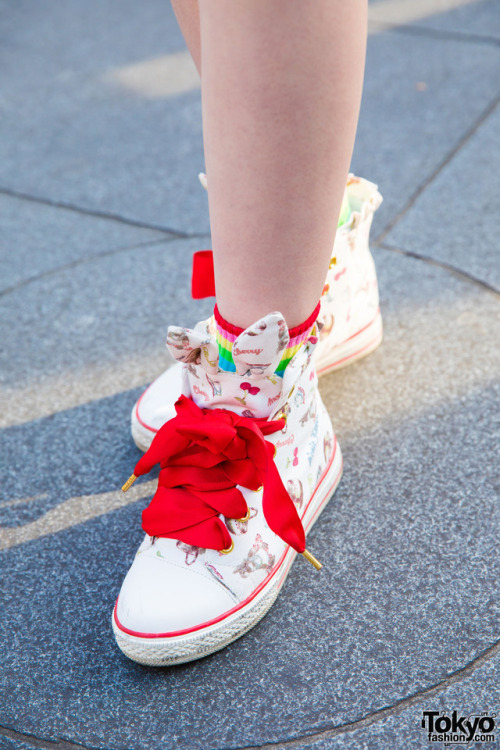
x,y
156,405
161,597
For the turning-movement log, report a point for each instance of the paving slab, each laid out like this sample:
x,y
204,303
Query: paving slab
x,y
455,220
38,239
95,328
83,36
398,728
408,594
11,743
413,112
467,19
473,696
71,130
481,18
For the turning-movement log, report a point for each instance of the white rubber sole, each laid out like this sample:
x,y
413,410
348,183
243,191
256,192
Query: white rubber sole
x,y
160,651
356,347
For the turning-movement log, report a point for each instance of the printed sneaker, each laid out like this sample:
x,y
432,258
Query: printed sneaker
x,y
350,304
247,464
352,324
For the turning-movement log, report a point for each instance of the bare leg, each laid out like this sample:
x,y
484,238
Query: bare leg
x,y
281,92
188,18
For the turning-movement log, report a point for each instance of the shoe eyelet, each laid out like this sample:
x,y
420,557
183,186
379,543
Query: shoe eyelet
x,y
280,415
228,549
246,517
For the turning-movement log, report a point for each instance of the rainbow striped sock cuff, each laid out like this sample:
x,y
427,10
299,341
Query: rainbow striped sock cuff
x,y
226,334
298,336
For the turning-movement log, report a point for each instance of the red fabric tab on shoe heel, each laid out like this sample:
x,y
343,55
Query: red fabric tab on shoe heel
x,y
203,279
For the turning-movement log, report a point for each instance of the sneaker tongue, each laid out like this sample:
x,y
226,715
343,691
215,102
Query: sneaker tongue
x,y
193,347
254,389
258,350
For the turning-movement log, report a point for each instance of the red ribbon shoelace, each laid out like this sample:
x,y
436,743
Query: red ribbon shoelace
x,y
203,454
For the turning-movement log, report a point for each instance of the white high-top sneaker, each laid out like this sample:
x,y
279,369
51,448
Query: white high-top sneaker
x,y
247,463
350,304
349,310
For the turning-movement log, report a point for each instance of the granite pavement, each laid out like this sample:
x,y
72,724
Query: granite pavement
x,y
101,210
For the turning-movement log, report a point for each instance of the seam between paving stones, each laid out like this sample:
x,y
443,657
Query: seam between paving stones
x,y
442,34
297,742
382,713
90,258
109,215
442,164
462,275
402,28
42,744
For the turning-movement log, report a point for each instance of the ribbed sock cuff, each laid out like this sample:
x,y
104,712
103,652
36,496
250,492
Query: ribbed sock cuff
x,y
298,336
226,334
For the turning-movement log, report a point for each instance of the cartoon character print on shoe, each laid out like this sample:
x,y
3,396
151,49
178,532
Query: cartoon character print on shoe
x,y
193,348
296,491
257,350
192,553
256,354
259,558
299,397
178,339
329,322
283,337
310,414
239,525
311,449
327,447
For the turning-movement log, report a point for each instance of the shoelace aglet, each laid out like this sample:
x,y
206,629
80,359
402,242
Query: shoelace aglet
x,y
310,558
128,484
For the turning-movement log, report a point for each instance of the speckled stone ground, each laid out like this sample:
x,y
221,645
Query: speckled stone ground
x,y
100,211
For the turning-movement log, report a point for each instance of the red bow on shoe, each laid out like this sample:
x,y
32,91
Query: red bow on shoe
x,y
203,454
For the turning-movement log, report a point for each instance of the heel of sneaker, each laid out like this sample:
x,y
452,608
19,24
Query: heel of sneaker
x,y
357,346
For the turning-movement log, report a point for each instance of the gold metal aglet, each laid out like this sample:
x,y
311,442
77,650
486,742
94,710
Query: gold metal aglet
x,y
310,558
128,484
